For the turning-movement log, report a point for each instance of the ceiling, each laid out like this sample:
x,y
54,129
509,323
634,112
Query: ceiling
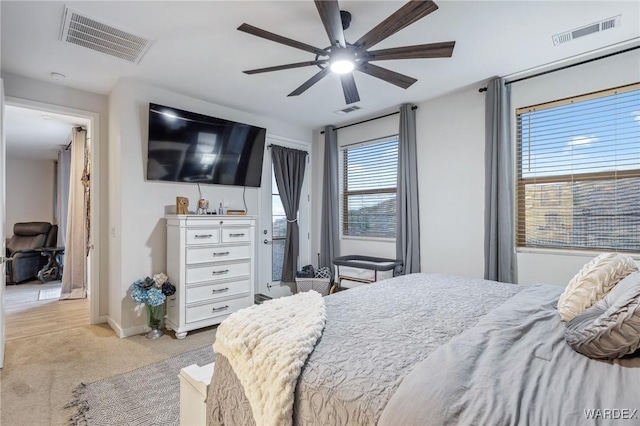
x,y
198,51
37,135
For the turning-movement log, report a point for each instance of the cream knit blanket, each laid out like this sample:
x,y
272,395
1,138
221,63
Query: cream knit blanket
x,y
266,346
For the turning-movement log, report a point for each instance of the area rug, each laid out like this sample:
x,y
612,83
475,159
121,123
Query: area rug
x,y
149,395
50,293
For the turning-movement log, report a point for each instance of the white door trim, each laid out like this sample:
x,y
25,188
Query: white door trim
x,y
94,254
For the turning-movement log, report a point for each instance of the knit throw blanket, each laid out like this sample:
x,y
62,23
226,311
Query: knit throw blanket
x,y
266,346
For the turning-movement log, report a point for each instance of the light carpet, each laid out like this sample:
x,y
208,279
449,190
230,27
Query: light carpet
x,y
50,293
149,395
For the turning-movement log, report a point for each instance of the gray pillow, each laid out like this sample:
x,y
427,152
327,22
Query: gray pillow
x,y
610,328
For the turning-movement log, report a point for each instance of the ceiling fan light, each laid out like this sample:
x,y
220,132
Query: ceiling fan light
x,y
342,66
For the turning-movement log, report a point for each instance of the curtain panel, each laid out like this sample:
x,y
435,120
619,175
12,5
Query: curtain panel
x,y
330,227
74,275
408,212
62,199
499,239
289,165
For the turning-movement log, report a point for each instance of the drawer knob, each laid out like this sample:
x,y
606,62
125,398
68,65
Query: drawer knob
x,y
226,271
222,253
204,236
223,308
222,290
237,235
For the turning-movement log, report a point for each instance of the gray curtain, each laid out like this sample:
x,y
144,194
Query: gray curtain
x,y
74,274
408,212
62,199
499,239
288,165
330,227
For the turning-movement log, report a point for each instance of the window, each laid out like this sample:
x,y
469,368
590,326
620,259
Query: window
x,y
578,172
278,230
369,180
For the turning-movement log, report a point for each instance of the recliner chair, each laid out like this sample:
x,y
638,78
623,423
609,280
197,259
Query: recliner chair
x,y
24,261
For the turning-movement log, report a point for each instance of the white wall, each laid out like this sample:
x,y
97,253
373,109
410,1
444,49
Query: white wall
x,y
137,227
450,135
558,268
55,94
29,191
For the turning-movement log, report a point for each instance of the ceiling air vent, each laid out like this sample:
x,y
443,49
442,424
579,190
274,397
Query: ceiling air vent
x,y
347,110
88,32
597,27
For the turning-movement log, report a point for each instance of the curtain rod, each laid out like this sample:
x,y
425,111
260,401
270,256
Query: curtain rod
x,y
370,119
484,89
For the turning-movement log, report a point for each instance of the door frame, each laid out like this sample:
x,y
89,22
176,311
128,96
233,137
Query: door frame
x,y
94,227
305,250
3,167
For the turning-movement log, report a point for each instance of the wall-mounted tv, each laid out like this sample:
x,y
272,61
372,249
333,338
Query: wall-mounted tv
x,y
189,147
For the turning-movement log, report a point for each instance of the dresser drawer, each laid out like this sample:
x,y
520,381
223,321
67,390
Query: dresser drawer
x,y
214,254
215,309
203,236
216,291
236,235
218,272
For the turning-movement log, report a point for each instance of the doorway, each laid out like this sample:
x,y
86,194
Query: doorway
x,y
273,222
32,307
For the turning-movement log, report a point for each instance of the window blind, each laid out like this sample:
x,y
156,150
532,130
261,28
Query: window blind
x,y
578,172
369,181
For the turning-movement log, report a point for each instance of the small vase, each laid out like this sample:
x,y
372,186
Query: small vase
x,y
154,316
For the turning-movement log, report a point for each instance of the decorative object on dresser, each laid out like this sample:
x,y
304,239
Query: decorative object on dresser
x,y
182,205
212,262
152,293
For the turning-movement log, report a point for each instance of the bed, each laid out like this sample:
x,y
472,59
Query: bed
x,y
428,349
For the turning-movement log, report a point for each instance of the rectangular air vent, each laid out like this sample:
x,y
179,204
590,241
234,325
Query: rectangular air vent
x,y
347,110
85,31
597,27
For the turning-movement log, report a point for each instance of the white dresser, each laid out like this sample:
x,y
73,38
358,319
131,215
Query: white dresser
x,y
211,261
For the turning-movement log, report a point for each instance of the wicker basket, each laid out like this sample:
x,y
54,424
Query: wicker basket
x,y
321,285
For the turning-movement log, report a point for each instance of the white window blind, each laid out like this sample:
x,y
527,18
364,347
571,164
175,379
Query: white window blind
x,y
579,172
369,180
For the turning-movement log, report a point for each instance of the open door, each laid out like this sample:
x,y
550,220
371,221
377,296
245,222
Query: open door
x,y
3,241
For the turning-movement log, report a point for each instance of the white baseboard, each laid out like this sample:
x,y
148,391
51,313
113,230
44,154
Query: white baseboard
x,y
103,318
126,332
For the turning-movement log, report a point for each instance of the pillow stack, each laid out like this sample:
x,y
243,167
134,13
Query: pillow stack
x,y
602,307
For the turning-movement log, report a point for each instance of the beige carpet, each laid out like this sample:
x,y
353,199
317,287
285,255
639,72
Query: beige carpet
x,y
41,372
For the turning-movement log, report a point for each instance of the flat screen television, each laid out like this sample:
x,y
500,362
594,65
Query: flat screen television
x,y
195,148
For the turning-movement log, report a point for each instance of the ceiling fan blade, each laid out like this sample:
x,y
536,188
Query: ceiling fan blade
x,y
250,29
284,67
313,80
349,88
432,50
387,75
330,14
411,12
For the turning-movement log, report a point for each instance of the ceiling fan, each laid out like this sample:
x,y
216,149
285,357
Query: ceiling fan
x,y
343,57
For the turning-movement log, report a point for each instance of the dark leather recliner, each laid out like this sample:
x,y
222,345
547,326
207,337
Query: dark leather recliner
x,y
24,261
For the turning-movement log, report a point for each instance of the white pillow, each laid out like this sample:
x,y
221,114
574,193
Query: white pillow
x,y
593,282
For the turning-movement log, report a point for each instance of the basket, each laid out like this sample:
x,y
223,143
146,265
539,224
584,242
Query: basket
x,y
321,285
